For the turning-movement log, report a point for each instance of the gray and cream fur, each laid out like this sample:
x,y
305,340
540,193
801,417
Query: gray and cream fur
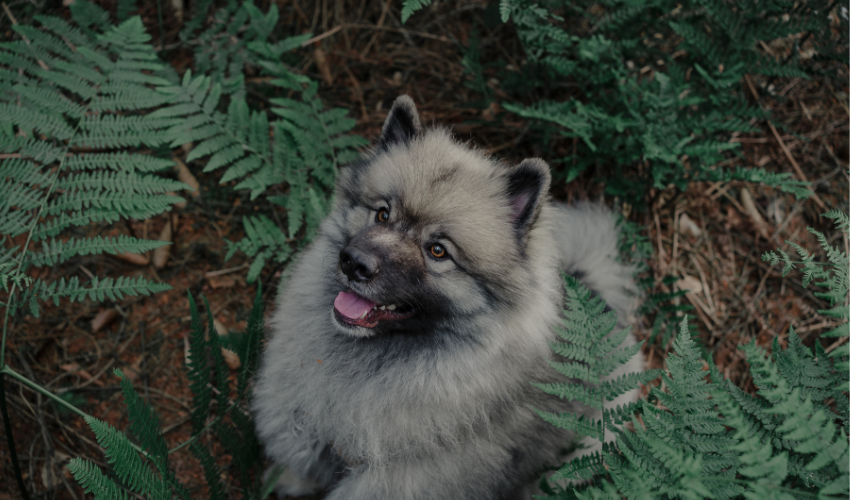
x,y
433,400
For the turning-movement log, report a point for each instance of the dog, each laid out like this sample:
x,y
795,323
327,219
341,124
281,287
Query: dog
x,y
403,345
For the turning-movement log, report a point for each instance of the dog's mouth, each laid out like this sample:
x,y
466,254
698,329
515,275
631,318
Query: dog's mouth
x,y
356,310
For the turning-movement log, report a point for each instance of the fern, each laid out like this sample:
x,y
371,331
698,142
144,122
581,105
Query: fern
x,y
207,373
95,482
656,82
304,148
66,121
200,347
10,275
592,353
835,276
703,437
221,49
123,455
125,460
239,138
409,7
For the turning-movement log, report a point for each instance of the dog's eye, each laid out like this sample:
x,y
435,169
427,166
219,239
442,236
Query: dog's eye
x,y
383,215
438,251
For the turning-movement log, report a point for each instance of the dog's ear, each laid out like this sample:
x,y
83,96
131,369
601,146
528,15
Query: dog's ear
x,y
527,190
402,123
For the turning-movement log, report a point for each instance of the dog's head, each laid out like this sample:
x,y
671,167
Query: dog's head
x,y
430,230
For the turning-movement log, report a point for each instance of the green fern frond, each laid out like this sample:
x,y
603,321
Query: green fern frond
x,y
811,428
308,146
409,7
263,239
842,220
246,345
220,375
56,225
57,251
145,426
779,180
238,140
77,89
98,289
834,277
8,274
815,376
212,472
123,8
593,352
90,17
584,467
125,461
318,133
199,369
94,481
220,53
580,424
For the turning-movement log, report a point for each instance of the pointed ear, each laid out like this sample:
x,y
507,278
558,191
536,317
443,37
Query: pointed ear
x,y
527,190
402,123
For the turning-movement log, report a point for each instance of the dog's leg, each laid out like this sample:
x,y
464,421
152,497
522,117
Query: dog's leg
x,y
309,468
291,484
483,470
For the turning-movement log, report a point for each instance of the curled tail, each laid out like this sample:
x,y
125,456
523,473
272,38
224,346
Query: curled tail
x,y
587,236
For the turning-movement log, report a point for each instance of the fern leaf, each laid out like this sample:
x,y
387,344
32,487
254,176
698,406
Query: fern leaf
x,y
199,370
145,426
93,481
574,422
77,90
212,473
409,7
125,460
584,467
99,290
57,251
220,368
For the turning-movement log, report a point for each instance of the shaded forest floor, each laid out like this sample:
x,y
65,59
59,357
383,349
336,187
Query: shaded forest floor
x,y
711,236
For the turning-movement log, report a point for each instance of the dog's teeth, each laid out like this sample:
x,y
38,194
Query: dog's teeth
x,y
363,315
391,307
383,308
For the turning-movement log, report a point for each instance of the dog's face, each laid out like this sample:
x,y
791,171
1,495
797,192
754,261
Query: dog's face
x,y
430,230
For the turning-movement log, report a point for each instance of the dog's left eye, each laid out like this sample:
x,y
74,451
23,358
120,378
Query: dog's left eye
x,y
383,215
438,251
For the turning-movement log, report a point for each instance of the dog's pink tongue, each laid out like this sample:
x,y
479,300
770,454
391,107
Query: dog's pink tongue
x,y
352,305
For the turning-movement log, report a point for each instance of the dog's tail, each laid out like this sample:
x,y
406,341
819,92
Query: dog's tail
x,y
587,237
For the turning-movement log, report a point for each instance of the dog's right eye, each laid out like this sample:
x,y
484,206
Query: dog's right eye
x,y
383,215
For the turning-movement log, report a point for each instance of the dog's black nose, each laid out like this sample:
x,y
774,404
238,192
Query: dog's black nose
x,y
358,265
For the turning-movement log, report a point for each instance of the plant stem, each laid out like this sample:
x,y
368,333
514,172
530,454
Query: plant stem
x,y
161,29
32,385
196,436
10,438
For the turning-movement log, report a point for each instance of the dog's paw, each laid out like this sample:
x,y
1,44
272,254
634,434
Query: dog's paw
x,y
289,484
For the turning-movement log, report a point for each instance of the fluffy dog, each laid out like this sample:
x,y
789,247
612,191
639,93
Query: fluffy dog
x,y
403,344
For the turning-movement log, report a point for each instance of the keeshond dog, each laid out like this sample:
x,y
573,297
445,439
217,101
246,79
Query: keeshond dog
x,y
403,345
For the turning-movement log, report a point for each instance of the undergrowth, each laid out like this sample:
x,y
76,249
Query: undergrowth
x,y
219,413
647,95
698,435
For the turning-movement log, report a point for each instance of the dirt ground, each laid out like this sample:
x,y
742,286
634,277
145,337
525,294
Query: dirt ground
x,y
712,236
